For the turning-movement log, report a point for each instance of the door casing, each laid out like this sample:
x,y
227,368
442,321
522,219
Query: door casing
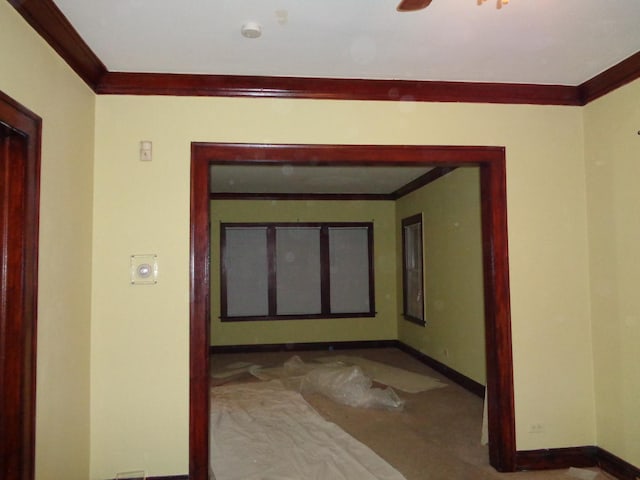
x,y
499,363
20,138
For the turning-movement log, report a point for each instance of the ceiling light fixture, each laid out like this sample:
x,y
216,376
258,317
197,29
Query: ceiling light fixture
x,y
499,3
251,30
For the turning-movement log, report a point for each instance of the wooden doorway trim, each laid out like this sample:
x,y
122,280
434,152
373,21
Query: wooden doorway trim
x,y
490,160
20,137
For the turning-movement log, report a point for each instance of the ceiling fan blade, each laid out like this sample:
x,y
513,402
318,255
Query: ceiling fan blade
x,y
412,5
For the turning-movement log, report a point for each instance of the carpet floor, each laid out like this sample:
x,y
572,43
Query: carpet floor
x,y
435,437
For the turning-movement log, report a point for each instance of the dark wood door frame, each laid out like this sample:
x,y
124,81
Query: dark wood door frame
x,y
20,134
490,160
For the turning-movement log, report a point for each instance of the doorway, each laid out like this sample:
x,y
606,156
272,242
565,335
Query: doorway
x,y
19,206
490,160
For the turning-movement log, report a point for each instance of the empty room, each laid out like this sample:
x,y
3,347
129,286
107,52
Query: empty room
x,y
117,120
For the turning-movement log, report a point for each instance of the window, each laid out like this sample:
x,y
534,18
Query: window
x,y
412,278
296,270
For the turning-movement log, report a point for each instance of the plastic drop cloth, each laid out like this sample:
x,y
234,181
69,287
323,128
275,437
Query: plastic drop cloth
x,y
398,378
262,431
345,384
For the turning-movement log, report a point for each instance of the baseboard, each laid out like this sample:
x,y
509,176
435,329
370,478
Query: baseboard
x,y
174,477
170,477
550,459
616,466
457,377
301,347
555,458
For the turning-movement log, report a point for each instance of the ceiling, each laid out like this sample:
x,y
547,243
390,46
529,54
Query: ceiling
x,y
535,42
542,42
290,179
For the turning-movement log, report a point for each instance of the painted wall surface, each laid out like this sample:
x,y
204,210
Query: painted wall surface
x,y
453,283
380,327
140,334
613,168
34,75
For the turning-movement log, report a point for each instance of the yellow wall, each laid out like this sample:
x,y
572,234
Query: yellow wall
x,y
381,327
613,169
453,283
140,333
34,75
136,350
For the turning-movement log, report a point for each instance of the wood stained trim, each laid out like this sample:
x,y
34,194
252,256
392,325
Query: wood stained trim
x,y
462,380
303,347
51,24
325,269
491,161
430,176
616,466
300,196
412,220
467,383
587,456
19,307
620,74
272,271
199,324
556,458
497,306
334,89
543,459
171,477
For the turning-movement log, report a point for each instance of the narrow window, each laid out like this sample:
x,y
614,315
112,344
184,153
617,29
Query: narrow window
x,y
412,264
285,270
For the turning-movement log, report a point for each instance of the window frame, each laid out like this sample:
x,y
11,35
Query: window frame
x,y
325,265
406,223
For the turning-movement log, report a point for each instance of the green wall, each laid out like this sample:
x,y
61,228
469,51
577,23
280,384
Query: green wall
x,y
381,327
454,333
454,302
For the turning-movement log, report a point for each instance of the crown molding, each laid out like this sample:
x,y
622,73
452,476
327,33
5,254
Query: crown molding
x,y
431,176
334,89
51,24
299,196
48,21
620,74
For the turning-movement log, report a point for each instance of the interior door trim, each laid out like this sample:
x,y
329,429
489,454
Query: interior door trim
x,y
490,160
18,337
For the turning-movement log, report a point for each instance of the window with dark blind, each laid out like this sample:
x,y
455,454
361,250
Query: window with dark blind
x,y
294,270
412,273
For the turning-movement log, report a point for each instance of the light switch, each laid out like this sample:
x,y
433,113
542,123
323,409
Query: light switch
x,y
144,269
145,150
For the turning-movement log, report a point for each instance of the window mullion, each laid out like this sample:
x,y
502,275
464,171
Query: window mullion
x,y
325,274
273,277
223,271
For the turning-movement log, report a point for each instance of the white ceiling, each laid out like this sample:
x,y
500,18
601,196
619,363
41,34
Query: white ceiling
x,y
562,42
527,41
311,179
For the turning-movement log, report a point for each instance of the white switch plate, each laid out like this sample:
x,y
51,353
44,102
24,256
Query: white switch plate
x,y
145,150
144,269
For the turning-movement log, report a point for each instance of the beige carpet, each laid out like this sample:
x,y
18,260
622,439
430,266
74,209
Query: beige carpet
x,y
435,437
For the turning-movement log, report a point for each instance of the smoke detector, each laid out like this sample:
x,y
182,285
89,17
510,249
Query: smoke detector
x,y
251,30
